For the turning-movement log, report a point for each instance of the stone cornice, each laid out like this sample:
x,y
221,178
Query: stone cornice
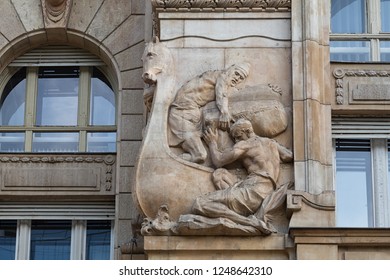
x,y
222,4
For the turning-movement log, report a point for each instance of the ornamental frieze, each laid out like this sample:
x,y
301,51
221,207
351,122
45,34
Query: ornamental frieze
x,y
177,4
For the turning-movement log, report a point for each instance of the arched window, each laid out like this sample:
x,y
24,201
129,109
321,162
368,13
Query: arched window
x,y
57,101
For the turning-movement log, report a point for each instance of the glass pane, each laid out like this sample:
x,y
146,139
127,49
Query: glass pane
x,y
348,16
385,51
101,142
55,142
57,101
98,240
7,240
50,240
102,100
12,101
12,142
385,19
358,51
353,184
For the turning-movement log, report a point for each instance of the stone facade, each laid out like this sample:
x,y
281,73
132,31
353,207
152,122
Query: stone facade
x,y
287,46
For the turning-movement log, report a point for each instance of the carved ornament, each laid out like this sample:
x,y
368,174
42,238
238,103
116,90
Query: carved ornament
x,y
56,12
225,4
361,85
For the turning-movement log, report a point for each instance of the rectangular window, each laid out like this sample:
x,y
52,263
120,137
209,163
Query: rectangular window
x,y
354,199
58,142
56,239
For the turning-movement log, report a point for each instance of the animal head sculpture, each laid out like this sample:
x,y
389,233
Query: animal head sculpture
x,y
156,59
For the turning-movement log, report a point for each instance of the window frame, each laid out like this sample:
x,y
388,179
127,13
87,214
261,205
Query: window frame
x,y
78,243
377,131
373,34
83,116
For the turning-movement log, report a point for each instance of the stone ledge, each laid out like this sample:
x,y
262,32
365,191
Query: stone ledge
x,y
217,247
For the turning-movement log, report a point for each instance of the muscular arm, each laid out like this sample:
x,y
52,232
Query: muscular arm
x,y
219,158
222,101
285,154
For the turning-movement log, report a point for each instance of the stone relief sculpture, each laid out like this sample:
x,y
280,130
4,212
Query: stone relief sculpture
x,y
185,117
186,195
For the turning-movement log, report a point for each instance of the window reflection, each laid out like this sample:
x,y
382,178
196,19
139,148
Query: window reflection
x,y
385,19
101,142
348,16
7,240
11,142
102,100
353,182
12,100
60,142
358,51
50,240
57,101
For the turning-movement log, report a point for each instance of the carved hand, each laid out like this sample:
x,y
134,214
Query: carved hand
x,y
210,136
224,121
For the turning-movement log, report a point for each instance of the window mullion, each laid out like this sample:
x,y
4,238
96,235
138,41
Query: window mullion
x,y
380,181
83,111
23,240
78,240
30,107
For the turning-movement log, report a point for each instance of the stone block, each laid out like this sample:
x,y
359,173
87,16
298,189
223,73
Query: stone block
x,y
30,13
109,16
131,79
129,151
10,25
130,58
126,176
317,252
129,33
83,12
131,127
137,7
126,207
132,102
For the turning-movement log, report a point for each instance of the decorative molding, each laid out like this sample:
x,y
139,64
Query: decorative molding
x,y
339,75
361,86
224,4
108,160
56,12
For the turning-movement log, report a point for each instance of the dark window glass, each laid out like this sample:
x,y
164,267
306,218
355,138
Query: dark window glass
x,y
98,240
7,240
50,240
12,100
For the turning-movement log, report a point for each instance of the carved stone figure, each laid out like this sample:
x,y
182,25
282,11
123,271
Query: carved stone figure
x,y
185,113
241,205
171,192
261,157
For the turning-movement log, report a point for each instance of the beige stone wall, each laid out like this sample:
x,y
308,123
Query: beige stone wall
x,y
114,30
